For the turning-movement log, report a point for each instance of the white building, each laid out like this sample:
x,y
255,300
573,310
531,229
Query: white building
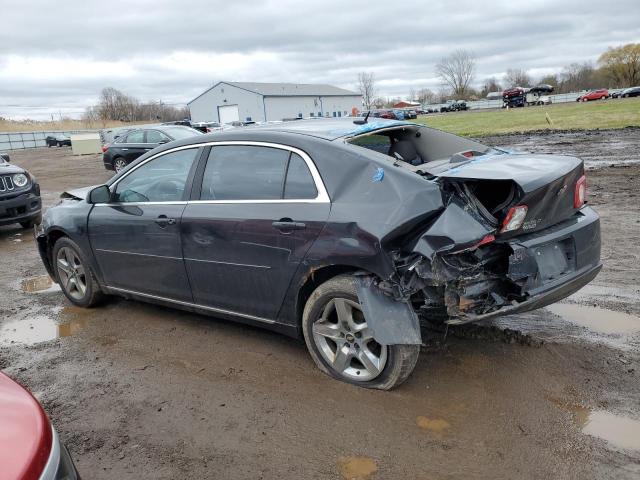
x,y
249,101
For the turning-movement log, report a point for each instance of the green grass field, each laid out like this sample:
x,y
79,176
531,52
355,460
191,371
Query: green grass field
x,y
599,114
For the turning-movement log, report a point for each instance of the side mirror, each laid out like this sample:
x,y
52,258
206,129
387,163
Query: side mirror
x,y
163,141
100,194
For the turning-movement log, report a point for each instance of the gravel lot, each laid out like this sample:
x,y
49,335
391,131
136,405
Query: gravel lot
x,y
140,391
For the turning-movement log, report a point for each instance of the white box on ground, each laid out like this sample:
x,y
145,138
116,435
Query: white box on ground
x,y
85,143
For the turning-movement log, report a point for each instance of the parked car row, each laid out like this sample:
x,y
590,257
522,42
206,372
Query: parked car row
x,y
627,92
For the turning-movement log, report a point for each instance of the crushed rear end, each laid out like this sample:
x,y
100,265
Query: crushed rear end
x,y
513,234
478,261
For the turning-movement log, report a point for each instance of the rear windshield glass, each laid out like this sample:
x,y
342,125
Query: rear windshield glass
x,y
178,133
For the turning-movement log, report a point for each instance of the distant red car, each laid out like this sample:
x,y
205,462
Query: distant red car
x,y
29,446
594,95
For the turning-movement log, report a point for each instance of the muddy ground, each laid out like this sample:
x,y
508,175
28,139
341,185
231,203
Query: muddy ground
x,y
139,391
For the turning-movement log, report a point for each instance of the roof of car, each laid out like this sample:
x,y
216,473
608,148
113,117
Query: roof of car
x,y
325,128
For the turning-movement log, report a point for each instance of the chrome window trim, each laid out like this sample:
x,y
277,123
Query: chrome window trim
x,y
321,197
190,304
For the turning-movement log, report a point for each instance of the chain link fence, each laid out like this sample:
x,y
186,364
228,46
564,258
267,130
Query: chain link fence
x,y
22,140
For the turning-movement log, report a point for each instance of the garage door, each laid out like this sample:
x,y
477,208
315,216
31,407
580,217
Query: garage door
x,y
228,113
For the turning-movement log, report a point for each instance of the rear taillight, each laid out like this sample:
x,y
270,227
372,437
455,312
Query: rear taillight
x,y
105,148
514,219
580,192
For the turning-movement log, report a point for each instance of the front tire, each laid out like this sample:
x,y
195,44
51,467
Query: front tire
x,y
341,343
74,275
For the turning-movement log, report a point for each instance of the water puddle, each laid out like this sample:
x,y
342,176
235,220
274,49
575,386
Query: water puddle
x,y
597,319
41,284
434,425
38,328
357,468
618,431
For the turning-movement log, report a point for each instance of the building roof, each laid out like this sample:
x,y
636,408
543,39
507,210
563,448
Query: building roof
x,y
288,89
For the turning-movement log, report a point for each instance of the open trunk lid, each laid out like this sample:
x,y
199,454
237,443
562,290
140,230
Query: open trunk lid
x,y
498,181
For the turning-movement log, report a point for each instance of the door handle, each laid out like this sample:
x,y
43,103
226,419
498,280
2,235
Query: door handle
x,y
288,225
163,221
125,149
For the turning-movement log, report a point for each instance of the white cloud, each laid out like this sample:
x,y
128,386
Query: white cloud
x,y
163,49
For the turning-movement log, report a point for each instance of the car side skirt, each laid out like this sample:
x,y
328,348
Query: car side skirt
x,y
266,323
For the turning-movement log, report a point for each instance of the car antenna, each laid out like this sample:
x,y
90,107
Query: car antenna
x,y
362,122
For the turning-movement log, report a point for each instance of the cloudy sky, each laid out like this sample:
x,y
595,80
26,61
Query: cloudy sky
x,y
56,56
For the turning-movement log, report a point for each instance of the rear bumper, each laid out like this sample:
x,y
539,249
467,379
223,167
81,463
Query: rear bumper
x,y
550,265
537,301
22,208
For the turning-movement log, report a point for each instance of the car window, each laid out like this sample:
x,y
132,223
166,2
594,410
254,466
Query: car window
x,y
242,172
135,137
154,136
163,179
299,183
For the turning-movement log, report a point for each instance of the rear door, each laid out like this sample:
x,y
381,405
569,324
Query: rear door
x,y
134,145
259,209
136,236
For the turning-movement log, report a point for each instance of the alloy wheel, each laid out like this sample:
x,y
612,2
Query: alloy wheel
x,y
346,342
72,273
119,165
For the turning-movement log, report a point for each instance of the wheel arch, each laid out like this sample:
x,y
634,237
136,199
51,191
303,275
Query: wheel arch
x,y
313,279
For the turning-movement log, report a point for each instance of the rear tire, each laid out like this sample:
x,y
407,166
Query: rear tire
x,y
119,164
336,343
74,275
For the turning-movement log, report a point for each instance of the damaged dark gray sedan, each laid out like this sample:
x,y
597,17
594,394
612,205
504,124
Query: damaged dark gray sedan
x,y
347,233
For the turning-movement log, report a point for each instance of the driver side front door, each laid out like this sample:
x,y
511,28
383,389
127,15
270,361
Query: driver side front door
x,y
136,236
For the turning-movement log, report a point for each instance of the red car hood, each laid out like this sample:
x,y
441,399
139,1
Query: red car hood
x,y
25,433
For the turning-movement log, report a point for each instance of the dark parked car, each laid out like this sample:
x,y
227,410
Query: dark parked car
x,y
58,140
29,445
183,123
454,106
630,92
126,148
347,233
207,127
19,195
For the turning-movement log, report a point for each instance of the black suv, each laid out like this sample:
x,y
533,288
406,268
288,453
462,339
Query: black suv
x,y
126,148
19,195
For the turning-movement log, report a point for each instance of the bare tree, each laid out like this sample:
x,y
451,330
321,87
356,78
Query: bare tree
x,y
457,71
367,87
490,85
425,95
517,77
